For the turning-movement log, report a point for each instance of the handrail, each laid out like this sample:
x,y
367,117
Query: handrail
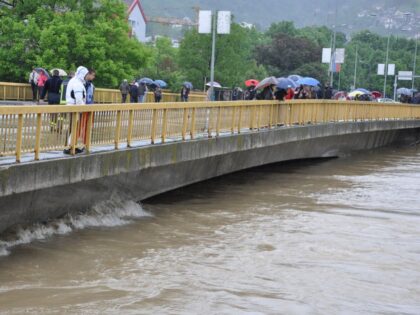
x,y
22,92
37,129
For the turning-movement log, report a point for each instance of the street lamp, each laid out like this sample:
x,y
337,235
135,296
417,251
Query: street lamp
x,y
414,62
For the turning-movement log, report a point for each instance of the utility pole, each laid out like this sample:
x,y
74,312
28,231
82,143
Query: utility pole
x,y
386,63
414,63
355,69
213,53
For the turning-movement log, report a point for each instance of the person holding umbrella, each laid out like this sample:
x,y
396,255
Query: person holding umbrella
x,y
185,92
33,81
41,83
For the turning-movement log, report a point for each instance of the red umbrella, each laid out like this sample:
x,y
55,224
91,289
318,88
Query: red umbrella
x,y
376,94
340,95
251,82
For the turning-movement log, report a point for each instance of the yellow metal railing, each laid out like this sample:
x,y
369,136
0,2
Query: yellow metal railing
x,y
23,92
36,129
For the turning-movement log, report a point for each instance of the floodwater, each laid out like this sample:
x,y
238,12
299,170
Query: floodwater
x,y
338,236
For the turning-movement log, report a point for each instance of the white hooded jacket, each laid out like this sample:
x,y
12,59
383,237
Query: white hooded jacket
x,y
76,91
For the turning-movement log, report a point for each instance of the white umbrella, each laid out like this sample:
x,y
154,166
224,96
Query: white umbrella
x,y
61,72
215,84
267,82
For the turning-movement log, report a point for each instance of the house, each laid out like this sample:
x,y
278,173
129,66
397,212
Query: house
x,y
136,19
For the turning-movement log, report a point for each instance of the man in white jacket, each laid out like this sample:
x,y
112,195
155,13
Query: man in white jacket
x,y
76,95
76,91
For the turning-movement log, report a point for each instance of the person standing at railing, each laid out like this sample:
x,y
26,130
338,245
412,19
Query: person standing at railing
x,y
41,83
52,87
142,90
185,92
134,92
33,81
124,89
158,94
76,95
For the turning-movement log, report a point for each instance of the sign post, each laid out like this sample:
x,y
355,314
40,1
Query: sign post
x,y
209,22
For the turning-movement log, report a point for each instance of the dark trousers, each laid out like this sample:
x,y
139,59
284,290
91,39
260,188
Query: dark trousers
x,y
123,98
34,91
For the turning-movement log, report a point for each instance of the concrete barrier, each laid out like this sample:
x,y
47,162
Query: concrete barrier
x,y
39,191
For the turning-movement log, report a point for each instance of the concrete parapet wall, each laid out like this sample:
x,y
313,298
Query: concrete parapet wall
x,y
42,190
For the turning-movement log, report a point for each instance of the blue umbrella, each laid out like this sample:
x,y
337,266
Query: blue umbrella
x,y
146,81
285,83
294,77
161,83
405,91
188,85
308,81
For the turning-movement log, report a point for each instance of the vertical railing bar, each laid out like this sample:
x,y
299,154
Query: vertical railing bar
x,y
130,127
19,138
38,135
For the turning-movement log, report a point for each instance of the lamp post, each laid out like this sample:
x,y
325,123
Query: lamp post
x,y
414,62
386,63
355,69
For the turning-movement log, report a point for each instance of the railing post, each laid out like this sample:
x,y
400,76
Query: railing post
x,y
270,116
154,122
240,118
164,125
232,125
192,132
130,127
38,136
19,138
259,110
89,131
184,123
219,118
73,139
290,114
118,130
253,113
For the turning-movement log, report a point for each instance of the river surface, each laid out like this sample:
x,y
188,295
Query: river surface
x,y
338,236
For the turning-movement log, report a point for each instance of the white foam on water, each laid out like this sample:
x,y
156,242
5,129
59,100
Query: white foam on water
x,y
110,213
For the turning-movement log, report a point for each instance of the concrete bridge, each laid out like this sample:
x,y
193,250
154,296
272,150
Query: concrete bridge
x,y
138,151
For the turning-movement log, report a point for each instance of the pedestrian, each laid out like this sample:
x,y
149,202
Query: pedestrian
x,y
290,93
53,87
64,87
327,92
134,92
33,81
250,93
158,94
280,94
124,89
41,83
76,95
141,91
90,92
185,92
267,93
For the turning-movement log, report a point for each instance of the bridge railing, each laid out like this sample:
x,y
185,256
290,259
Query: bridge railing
x,y
23,92
37,129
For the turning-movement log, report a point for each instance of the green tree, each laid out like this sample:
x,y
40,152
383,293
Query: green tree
x,y
66,34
